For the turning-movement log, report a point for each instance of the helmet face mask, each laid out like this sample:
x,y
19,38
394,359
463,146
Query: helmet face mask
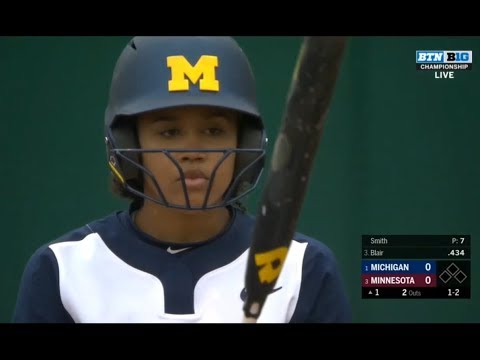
x,y
155,73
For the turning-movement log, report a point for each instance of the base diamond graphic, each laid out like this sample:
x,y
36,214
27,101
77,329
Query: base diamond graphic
x,y
460,276
452,269
445,276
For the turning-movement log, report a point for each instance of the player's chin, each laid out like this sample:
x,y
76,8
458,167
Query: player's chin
x,y
196,201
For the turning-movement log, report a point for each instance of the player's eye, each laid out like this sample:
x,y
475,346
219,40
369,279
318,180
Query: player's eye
x,y
169,133
214,131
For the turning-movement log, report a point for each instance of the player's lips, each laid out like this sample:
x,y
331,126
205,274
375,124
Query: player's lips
x,y
195,179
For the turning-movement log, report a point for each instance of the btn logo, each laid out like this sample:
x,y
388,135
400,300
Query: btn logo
x,y
270,264
181,69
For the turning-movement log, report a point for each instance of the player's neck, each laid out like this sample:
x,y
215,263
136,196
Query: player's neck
x,y
181,226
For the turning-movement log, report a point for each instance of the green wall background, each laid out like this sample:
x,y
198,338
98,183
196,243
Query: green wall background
x,y
399,154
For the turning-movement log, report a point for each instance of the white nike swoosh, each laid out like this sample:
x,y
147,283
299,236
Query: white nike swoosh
x,y
175,251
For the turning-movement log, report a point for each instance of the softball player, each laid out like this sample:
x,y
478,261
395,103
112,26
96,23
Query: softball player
x,y
185,142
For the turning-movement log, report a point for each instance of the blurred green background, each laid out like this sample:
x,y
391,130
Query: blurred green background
x,y
399,154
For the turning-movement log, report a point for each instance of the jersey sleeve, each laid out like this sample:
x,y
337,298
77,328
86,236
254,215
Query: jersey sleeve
x,y
38,299
323,297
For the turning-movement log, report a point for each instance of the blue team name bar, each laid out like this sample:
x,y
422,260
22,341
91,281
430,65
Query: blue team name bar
x,y
399,266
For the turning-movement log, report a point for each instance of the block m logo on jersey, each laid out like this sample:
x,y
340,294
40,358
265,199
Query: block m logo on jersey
x,y
183,73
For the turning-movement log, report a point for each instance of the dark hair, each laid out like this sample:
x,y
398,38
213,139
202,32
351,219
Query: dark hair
x,y
116,186
118,189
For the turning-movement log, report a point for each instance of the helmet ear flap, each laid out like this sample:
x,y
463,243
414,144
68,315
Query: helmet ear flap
x,y
249,164
124,135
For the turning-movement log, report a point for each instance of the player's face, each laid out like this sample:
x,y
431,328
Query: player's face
x,y
188,128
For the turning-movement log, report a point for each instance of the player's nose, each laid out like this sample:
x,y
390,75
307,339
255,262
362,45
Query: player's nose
x,y
193,155
193,149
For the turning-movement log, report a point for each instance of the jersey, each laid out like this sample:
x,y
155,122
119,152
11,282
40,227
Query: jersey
x,y
109,271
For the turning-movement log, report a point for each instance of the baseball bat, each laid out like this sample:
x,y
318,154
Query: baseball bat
x,y
306,109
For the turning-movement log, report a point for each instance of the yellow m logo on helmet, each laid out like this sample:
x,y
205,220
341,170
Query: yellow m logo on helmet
x,y
181,70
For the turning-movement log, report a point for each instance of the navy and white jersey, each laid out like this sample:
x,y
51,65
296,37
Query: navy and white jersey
x,y
109,271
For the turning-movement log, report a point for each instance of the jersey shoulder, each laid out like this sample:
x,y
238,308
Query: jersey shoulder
x,y
107,223
316,249
323,297
44,252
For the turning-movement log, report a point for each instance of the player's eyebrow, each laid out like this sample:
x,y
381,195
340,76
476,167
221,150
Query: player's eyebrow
x,y
162,117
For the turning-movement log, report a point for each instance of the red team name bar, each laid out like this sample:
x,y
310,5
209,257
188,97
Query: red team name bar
x,y
411,281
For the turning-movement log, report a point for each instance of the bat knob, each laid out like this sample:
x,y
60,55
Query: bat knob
x,y
249,320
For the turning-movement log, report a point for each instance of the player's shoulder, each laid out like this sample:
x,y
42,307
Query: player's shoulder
x,y
44,252
314,245
315,249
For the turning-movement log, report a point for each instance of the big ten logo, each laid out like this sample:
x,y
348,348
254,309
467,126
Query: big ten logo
x,y
183,73
444,56
458,56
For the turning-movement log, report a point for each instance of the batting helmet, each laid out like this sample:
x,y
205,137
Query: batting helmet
x,y
155,73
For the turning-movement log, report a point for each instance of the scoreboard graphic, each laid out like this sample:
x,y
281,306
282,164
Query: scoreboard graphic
x,y
416,266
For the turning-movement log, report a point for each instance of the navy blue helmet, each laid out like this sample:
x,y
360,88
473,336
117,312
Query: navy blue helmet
x,y
155,73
